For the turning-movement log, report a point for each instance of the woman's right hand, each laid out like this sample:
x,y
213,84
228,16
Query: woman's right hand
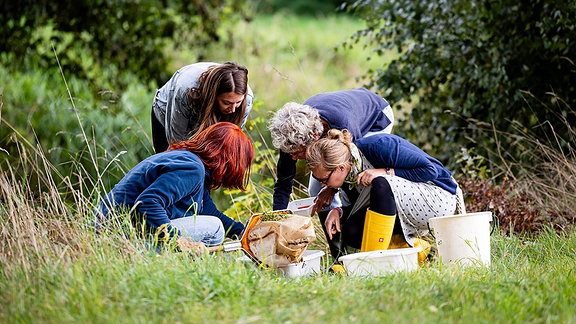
x,y
196,248
332,222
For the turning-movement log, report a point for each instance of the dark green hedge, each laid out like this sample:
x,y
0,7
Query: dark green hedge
x,y
473,69
123,36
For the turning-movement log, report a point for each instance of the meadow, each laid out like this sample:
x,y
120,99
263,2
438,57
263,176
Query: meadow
x,y
55,269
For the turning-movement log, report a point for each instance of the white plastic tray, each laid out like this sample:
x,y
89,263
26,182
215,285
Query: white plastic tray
x,y
381,262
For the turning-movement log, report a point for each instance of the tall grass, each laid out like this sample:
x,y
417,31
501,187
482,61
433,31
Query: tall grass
x,y
553,180
54,268
542,194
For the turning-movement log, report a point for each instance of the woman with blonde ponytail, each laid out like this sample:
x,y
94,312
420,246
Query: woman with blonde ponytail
x,y
382,175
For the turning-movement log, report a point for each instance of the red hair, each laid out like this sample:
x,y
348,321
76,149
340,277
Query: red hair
x,y
225,151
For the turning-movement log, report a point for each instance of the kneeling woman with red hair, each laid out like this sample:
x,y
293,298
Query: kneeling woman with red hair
x,y
171,190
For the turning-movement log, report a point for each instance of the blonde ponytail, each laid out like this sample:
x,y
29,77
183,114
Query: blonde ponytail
x,y
330,152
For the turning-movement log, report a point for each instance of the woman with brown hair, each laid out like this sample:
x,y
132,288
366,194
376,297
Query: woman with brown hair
x,y
197,96
171,190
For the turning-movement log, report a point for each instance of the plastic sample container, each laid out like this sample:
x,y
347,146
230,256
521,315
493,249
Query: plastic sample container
x,y
380,262
309,265
302,207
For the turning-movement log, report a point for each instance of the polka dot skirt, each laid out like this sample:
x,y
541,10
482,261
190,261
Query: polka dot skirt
x,y
416,202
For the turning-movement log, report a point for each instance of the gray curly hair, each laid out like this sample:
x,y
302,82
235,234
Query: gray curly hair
x,y
295,126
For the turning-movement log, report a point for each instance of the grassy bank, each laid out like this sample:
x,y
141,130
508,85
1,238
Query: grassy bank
x,y
53,268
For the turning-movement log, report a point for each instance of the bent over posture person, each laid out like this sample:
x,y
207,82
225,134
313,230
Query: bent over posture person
x,y
295,126
382,174
171,190
197,96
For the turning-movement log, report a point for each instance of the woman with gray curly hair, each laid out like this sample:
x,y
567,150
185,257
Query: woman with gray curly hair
x,y
295,126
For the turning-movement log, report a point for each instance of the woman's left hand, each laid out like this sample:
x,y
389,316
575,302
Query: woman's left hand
x,y
365,177
332,222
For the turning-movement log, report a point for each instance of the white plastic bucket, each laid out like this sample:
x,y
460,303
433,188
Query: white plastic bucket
x,y
463,239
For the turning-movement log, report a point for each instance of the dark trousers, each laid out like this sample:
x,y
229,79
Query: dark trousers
x,y
158,135
352,226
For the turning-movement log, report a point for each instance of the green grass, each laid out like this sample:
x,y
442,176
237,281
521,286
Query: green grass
x,y
527,282
54,269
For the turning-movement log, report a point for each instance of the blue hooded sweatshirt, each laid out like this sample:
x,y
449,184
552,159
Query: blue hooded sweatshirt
x,y
166,186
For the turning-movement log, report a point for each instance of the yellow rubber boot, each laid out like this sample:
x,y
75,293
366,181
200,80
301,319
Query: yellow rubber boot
x,y
377,231
398,242
338,268
424,251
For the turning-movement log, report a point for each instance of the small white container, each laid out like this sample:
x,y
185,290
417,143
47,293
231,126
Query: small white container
x,y
309,265
302,207
380,262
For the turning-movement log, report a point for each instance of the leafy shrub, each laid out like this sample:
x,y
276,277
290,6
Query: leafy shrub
x,y
91,36
468,67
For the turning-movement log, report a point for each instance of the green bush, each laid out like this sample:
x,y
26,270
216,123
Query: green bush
x,y
91,36
468,69
88,138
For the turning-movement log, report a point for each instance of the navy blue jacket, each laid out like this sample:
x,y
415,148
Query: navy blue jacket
x,y
167,186
359,110
408,160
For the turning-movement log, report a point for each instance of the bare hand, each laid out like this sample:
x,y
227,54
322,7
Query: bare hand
x,y
332,222
365,177
323,199
195,248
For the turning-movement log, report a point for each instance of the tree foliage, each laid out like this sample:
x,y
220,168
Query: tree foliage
x,y
300,7
91,36
466,67
109,51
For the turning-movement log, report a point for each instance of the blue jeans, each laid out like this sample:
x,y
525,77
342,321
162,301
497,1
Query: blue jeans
x,y
206,229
